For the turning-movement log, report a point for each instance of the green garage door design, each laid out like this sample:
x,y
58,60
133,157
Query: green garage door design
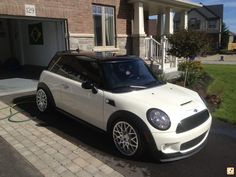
x,y
35,34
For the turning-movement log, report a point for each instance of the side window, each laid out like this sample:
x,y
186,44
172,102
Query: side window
x,y
69,67
79,68
91,71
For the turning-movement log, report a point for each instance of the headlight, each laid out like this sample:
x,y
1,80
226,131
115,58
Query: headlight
x,y
158,119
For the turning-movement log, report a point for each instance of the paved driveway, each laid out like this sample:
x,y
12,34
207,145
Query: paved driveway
x,y
13,164
219,153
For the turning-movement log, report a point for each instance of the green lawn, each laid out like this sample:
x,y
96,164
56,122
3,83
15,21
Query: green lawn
x,y
224,84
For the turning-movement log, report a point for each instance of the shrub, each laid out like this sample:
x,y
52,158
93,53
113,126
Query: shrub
x,y
195,71
187,43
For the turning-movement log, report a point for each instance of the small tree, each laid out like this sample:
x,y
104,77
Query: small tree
x,y
188,44
224,36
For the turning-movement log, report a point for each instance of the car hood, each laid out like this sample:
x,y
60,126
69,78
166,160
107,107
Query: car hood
x,y
168,97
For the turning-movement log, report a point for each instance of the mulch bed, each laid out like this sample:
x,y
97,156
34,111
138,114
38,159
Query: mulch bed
x,y
213,101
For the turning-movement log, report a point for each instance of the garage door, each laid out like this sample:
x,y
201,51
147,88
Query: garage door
x,y
31,41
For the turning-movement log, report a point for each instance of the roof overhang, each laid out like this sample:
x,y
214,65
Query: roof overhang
x,y
159,6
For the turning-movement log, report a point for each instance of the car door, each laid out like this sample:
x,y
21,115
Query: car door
x,y
57,73
80,102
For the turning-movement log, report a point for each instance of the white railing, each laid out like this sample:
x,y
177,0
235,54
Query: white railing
x,y
168,59
152,50
158,53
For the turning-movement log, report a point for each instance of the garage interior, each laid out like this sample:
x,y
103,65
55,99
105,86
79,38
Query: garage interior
x,y
30,42
27,46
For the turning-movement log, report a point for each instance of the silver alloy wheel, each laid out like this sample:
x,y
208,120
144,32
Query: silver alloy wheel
x,y
125,138
41,100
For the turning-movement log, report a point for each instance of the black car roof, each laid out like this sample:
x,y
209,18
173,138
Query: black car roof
x,y
98,56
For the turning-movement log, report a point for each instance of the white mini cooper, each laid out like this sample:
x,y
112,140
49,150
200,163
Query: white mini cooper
x,y
121,96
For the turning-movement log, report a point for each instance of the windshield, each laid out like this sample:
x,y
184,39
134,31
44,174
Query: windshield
x,y
128,75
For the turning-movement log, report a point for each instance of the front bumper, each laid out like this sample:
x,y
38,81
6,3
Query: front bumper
x,y
173,146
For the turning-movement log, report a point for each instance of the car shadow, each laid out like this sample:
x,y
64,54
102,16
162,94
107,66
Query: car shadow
x,y
85,136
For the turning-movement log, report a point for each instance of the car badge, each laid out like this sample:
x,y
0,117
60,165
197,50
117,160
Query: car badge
x,y
195,110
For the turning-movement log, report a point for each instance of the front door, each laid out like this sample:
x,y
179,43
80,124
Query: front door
x,y
81,102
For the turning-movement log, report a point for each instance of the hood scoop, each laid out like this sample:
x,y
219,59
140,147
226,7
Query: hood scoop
x,y
186,103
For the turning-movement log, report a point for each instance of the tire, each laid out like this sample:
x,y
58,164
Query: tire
x,y
127,138
44,100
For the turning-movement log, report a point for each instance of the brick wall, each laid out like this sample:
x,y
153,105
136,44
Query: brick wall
x,y
78,12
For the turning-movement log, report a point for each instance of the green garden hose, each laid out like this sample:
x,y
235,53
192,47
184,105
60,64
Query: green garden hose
x,y
11,114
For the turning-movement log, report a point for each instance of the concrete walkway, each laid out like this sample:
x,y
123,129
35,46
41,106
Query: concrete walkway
x,y
51,154
17,85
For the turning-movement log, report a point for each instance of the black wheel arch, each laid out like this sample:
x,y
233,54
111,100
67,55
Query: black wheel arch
x,y
137,121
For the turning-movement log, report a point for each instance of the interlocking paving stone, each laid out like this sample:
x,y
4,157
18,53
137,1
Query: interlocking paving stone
x,y
68,173
74,168
60,169
51,154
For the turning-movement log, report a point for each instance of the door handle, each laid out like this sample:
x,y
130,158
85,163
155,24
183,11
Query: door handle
x,y
65,86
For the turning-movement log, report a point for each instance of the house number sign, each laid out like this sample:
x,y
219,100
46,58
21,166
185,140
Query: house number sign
x,y
30,10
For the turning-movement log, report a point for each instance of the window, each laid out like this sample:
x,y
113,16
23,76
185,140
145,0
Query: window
x,y
212,24
77,68
90,71
127,73
67,66
194,24
103,17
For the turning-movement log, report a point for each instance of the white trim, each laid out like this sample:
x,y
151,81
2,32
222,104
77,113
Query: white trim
x,y
122,35
81,35
174,3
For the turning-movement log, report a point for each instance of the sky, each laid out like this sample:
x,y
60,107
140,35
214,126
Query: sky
x,y
229,11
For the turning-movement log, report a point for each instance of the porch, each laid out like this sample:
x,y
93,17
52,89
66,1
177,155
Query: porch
x,y
154,48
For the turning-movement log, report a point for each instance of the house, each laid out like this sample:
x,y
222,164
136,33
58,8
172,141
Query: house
x,y
33,30
232,41
207,19
232,37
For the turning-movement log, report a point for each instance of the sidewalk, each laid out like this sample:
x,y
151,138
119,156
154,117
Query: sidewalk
x,y
52,155
215,59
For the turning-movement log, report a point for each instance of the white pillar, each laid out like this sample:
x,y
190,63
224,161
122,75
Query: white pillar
x,y
160,24
184,20
164,39
169,21
138,28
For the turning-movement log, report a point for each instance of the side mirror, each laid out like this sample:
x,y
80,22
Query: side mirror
x,y
89,85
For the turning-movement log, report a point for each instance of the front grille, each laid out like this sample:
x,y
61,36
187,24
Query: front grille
x,y
192,143
192,121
